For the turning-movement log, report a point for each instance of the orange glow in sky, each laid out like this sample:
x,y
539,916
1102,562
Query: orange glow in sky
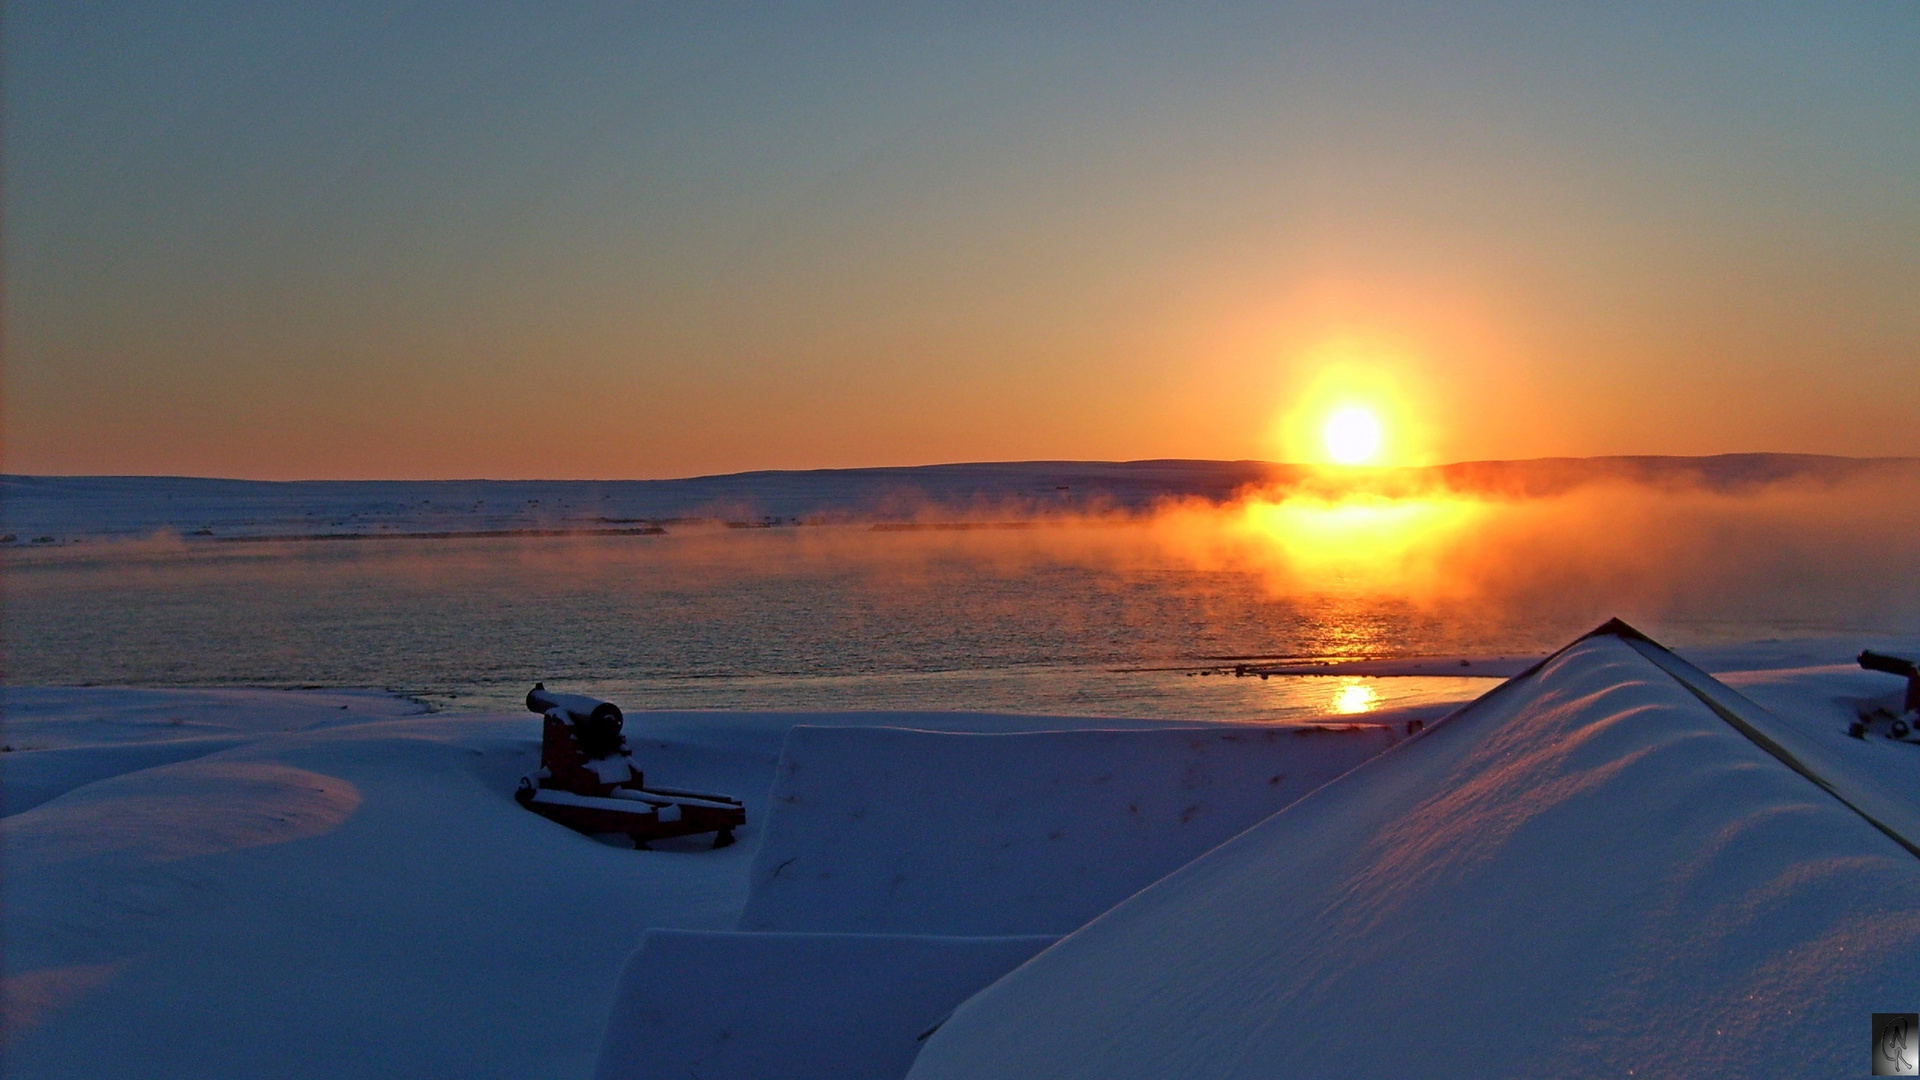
x,y
644,241
1361,399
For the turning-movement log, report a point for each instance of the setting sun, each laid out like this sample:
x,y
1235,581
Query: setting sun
x,y
1352,436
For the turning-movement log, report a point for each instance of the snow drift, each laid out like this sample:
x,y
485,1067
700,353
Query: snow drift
x,y
1587,873
884,830
792,1006
902,870
349,898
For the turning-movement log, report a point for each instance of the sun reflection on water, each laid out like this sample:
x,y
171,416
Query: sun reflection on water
x,y
1353,697
1373,541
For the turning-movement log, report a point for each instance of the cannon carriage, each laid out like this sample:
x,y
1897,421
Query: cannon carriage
x,y
588,780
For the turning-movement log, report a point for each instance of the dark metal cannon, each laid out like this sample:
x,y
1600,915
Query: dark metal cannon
x,y
588,780
1895,665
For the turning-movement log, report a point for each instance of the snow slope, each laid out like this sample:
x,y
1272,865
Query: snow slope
x,y
60,738
1816,705
354,901
249,883
792,1006
897,868
883,830
1586,874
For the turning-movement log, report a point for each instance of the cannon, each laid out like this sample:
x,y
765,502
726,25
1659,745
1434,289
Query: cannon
x,y
588,781
1895,665
1898,727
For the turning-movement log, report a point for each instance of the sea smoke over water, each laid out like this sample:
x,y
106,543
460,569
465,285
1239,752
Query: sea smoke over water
x,y
1784,552
1459,560
1562,544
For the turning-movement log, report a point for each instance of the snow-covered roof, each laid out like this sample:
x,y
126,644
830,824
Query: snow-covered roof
x,y
1595,871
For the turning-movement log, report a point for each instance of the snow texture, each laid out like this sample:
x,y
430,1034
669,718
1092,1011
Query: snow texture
x,y
1809,710
60,738
725,1006
357,900
612,770
909,869
1842,764
879,830
330,884
1588,873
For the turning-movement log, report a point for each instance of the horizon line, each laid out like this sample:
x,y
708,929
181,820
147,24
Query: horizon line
x,y
1879,459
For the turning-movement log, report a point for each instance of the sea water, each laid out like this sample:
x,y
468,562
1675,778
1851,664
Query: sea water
x,y
804,619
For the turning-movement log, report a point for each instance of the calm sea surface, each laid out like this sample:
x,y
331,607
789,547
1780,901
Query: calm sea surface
x,y
822,618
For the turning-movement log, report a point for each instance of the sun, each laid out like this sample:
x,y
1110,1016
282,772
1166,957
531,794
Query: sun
x,y
1352,436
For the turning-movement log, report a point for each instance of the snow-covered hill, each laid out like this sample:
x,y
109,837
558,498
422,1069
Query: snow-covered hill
x,y
54,509
1588,873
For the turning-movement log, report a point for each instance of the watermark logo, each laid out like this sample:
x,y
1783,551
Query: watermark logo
x,y
1894,1049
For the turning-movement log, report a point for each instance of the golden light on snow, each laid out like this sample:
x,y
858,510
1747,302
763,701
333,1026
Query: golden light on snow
x,y
1352,436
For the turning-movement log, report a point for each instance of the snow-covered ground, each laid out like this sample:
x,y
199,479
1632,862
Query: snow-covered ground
x,y
339,884
288,883
355,899
1589,873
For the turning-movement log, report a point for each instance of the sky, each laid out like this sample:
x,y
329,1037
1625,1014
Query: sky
x,y
411,240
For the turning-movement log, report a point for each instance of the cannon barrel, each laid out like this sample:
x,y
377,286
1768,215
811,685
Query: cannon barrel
x,y
1895,665
596,724
1892,665
572,707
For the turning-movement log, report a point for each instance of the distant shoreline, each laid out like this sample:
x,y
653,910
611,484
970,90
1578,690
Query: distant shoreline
x,y
57,510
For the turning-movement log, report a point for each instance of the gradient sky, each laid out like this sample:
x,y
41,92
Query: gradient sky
x,y
660,239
